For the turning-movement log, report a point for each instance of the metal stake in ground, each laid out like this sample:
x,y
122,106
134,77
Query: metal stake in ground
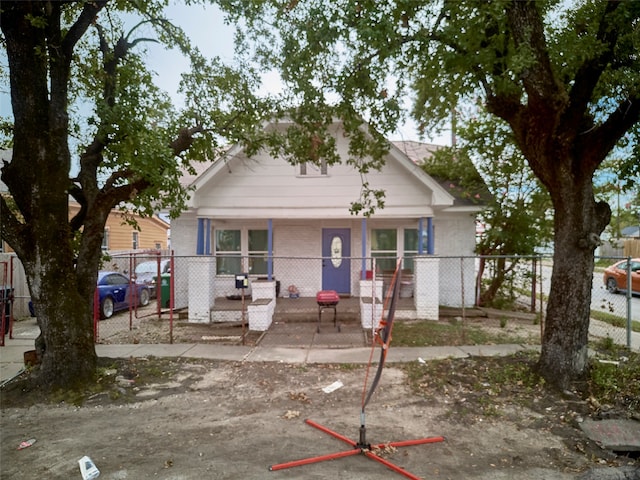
x,y
382,337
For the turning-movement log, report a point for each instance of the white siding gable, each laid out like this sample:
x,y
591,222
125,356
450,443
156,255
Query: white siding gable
x,y
266,187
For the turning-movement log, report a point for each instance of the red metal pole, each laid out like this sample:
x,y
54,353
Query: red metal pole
x,y
158,287
2,302
330,432
133,293
11,316
171,292
390,465
321,458
410,443
96,315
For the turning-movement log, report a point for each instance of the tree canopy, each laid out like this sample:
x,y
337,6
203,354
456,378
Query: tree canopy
x,y
89,124
485,163
564,76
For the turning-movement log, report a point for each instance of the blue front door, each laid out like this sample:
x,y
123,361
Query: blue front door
x,y
336,261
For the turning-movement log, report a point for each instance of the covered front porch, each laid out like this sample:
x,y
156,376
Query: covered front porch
x,y
298,322
305,309
263,302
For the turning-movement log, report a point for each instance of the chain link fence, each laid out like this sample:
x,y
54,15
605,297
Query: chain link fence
x,y
207,299
615,302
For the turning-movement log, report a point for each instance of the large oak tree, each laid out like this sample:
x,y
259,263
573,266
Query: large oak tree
x,y
80,90
565,76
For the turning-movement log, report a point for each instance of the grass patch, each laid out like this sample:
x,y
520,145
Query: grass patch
x,y
613,379
614,320
477,386
432,333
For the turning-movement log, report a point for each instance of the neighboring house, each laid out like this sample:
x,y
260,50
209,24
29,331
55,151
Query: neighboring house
x,y
631,232
120,236
267,210
153,233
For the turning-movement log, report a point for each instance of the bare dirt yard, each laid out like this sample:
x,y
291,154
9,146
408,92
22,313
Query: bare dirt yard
x,y
191,419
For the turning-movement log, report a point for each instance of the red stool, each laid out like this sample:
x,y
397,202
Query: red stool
x,y
328,299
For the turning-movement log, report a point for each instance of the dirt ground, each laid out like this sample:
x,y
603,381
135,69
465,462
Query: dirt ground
x,y
177,419
192,419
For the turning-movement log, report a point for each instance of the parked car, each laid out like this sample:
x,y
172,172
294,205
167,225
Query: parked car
x,y
146,273
115,293
615,276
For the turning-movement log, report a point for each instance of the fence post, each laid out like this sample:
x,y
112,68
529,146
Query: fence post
x,y
427,286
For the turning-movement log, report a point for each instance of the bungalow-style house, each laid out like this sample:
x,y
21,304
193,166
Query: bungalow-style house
x,y
256,215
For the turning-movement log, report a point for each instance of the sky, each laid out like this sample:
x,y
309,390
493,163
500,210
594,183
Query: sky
x,y
206,29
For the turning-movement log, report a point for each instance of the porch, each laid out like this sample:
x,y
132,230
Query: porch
x,y
305,310
296,321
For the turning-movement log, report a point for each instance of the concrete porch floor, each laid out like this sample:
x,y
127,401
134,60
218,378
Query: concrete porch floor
x,y
305,309
297,322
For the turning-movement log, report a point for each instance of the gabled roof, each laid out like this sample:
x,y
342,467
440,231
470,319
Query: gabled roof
x,y
421,152
235,184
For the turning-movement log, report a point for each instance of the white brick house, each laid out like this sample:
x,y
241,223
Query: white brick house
x,y
251,214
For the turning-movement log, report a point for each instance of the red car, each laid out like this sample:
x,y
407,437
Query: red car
x,y
615,276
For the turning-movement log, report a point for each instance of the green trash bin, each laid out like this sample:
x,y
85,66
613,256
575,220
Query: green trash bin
x,y
165,290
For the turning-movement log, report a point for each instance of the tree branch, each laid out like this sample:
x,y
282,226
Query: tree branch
x,y
87,17
597,142
589,73
527,31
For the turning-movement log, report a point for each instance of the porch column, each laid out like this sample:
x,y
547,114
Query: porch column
x,y
430,237
202,275
207,236
203,240
200,237
427,287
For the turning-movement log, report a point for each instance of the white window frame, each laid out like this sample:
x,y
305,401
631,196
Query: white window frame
x,y
244,252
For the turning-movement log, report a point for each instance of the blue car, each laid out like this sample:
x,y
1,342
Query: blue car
x,y
116,292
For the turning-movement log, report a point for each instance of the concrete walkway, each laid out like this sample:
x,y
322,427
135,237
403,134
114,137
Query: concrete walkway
x,y
12,354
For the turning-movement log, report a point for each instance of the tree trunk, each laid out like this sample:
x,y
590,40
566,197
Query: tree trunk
x,y
66,342
488,296
62,293
579,220
37,176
